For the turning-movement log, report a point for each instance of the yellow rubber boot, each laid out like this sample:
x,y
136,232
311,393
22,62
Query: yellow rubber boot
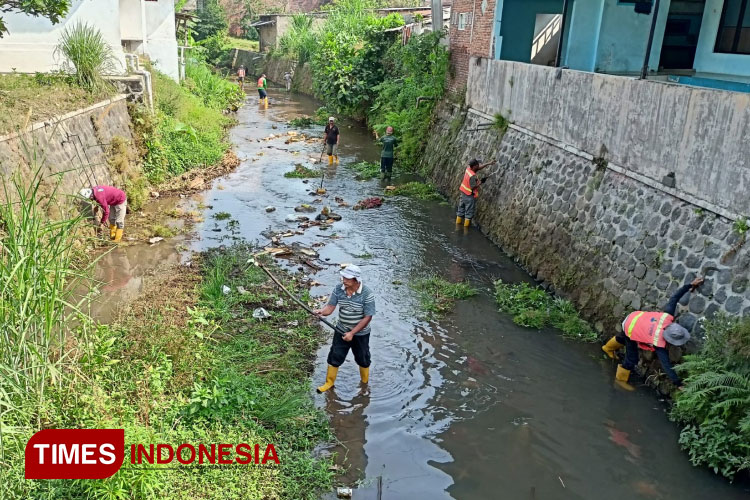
x,y
112,231
622,374
459,220
364,374
330,378
467,222
330,160
336,159
118,235
611,347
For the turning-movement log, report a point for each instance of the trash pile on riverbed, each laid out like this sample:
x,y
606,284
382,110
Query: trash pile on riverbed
x,y
366,203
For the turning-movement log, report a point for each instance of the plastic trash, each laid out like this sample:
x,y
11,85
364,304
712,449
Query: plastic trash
x,y
261,313
225,289
155,239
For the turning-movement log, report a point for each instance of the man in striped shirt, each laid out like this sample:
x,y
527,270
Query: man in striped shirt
x,y
356,308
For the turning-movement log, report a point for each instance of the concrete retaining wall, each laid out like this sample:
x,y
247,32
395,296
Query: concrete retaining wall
x,y
645,127
601,237
274,67
78,145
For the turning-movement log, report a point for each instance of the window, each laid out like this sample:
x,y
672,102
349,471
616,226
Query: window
x,y
462,21
733,36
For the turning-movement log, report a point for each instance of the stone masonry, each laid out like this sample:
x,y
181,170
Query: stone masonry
x,y
606,241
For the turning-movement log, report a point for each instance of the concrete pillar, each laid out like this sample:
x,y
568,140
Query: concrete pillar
x,y
437,15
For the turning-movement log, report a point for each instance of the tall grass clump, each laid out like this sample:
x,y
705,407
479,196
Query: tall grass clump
x,y
532,307
88,53
714,403
215,92
41,319
301,39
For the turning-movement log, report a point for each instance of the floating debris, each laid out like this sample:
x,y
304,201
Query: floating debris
x,y
296,218
155,239
373,202
304,208
270,209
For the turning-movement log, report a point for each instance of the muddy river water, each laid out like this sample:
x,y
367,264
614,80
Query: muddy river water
x,y
468,407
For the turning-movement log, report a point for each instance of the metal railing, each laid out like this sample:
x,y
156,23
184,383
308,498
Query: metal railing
x,y
546,35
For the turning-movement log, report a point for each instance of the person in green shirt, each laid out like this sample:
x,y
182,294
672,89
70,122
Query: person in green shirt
x,y
262,86
389,142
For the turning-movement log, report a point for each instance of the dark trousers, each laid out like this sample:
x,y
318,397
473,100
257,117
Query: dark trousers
x,y
262,93
360,345
386,165
466,206
631,352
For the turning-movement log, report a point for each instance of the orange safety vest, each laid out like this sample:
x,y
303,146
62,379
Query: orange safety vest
x,y
646,328
466,183
261,83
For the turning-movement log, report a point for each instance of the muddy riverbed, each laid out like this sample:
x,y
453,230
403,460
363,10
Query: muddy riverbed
x,y
470,406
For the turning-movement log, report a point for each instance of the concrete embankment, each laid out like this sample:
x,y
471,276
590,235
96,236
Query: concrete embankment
x,y
274,67
579,195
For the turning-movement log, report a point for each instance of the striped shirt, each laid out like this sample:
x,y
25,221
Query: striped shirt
x,y
353,309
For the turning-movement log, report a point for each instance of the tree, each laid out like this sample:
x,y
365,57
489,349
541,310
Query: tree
x,y
211,20
53,10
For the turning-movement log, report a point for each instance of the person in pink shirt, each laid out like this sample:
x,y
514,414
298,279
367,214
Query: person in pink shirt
x,y
114,204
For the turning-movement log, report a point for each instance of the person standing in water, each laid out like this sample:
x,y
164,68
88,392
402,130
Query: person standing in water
x,y
389,143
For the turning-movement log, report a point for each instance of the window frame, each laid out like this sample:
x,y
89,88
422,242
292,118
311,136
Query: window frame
x,y
744,4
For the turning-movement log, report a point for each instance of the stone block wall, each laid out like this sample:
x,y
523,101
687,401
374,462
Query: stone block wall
x,y
605,240
77,145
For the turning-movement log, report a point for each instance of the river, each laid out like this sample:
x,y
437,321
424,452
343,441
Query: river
x,y
470,406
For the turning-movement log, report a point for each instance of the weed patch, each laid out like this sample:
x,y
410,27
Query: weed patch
x,y
365,170
301,172
532,307
417,190
307,121
437,295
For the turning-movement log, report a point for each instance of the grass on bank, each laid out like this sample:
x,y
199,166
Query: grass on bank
x,y
532,307
437,295
188,129
418,190
185,363
243,44
26,99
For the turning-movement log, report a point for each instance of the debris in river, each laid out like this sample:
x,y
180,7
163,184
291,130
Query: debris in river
x,y
304,208
296,218
196,183
300,172
154,194
390,188
373,202
270,209
344,492
155,239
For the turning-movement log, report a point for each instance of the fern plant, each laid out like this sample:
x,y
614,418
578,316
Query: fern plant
x,y
714,405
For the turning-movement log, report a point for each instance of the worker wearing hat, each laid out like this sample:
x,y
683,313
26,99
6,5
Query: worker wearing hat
x,y
114,204
356,308
331,140
469,191
651,331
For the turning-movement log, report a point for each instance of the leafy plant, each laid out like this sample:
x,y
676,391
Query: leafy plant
x,y
437,295
365,170
212,19
90,55
532,307
714,403
417,190
215,92
501,123
301,172
741,226
301,40
54,10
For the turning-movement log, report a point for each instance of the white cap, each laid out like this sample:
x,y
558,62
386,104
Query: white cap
x,y
331,119
352,272
86,192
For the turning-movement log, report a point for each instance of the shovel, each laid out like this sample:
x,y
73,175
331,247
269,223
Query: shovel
x,y
336,327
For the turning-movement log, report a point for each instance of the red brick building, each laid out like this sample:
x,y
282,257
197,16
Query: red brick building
x,y
471,32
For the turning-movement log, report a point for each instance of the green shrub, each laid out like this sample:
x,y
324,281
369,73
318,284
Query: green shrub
x,y
714,403
88,53
301,172
301,40
532,307
365,170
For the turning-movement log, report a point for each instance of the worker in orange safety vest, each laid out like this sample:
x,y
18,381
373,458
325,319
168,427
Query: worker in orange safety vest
x,y
651,331
469,191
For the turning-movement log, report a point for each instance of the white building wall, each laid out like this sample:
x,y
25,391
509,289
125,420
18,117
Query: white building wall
x,y
161,46
29,47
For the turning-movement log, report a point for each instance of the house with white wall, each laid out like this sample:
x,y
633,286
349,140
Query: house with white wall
x,y
144,27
